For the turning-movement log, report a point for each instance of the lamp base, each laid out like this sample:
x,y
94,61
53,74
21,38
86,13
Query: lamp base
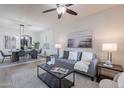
x,y
108,63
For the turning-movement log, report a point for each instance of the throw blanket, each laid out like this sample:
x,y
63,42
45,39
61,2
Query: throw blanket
x,y
82,65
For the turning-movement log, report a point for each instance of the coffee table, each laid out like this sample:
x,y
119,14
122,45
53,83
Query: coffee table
x,y
53,79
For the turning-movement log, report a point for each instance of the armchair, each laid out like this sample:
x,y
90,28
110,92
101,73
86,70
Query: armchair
x,y
117,82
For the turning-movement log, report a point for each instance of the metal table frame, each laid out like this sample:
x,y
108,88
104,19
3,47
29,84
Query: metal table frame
x,y
60,79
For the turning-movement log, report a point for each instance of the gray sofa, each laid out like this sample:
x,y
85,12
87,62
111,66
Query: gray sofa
x,y
92,67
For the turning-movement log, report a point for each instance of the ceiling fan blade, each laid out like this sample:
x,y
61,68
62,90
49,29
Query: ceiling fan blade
x,y
59,16
71,12
49,10
68,5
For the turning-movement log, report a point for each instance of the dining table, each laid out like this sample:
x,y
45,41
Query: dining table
x,y
15,54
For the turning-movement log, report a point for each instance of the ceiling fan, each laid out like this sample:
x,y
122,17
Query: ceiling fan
x,y
61,9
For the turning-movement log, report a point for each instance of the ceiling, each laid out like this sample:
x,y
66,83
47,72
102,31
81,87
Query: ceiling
x,y
34,20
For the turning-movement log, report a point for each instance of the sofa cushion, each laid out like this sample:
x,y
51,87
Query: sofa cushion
x,y
65,54
87,56
82,66
66,61
73,55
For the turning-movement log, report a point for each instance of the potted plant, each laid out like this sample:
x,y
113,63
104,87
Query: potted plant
x,y
36,45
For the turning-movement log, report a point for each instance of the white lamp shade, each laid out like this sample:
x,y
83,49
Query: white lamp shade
x,y
109,47
58,46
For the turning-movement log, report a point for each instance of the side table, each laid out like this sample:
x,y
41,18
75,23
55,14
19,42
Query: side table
x,y
103,71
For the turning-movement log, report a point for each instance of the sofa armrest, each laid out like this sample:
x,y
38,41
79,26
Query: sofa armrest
x,y
95,61
93,66
106,83
116,77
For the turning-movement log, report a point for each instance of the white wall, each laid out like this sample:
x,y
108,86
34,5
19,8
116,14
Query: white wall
x,y
47,36
106,26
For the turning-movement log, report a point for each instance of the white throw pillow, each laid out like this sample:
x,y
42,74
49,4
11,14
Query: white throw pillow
x,y
82,66
73,55
121,80
87,56
86,62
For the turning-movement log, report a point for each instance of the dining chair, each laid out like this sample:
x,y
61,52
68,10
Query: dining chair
x,y
34,54
22,54
4,55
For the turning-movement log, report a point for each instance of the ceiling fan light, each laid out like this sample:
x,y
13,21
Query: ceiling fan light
x,y
61,10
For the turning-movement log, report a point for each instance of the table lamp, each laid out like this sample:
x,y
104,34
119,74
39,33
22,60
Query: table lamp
x,y
58,46
45,47
109,48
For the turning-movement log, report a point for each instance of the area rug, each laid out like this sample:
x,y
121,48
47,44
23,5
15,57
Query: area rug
x,y
8,63
28,79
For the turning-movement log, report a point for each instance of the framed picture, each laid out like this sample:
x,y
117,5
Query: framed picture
x,y
9,42
81,39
